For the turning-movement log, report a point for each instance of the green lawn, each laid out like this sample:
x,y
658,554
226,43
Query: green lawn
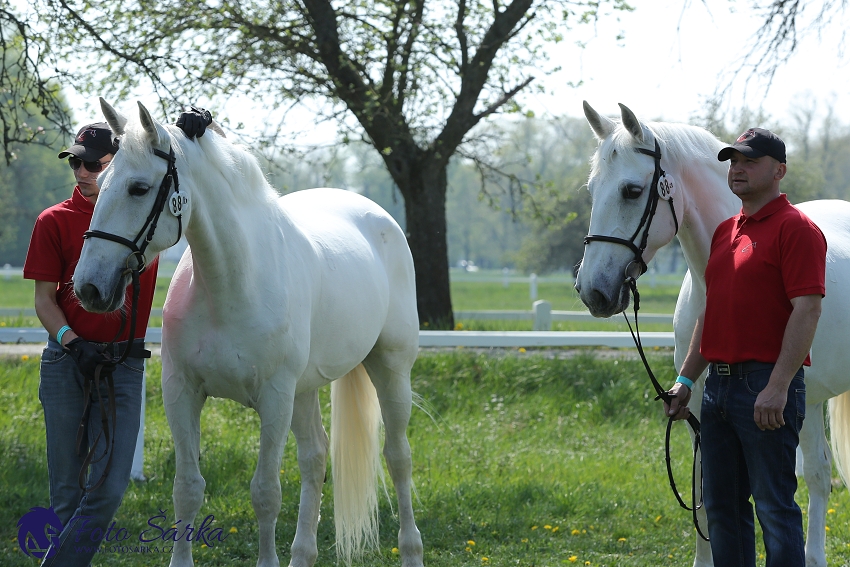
x,y
468,294
538,461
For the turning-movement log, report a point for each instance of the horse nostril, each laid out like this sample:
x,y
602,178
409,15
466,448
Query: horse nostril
x,y
599,298
88,293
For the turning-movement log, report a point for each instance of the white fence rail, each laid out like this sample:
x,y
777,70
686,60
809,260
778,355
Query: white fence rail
x,y
542,315
489,339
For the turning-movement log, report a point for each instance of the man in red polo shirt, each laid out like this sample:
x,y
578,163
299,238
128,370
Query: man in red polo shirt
x,y
75,347
764,285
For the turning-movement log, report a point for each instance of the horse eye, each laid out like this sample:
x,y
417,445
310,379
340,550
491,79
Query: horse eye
x,y
138,189
631,191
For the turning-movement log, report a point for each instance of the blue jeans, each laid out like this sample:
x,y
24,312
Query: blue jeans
x,y
85,517
740,460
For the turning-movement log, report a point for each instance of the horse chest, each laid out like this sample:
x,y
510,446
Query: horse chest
x,y
233,365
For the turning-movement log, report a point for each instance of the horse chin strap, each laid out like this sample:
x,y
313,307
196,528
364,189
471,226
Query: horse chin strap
x,y
638,267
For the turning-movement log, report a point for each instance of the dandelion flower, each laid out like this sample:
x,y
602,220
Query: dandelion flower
x,y
233,530
25,357
587,562
203,545
622,539
533,527
525,540
469,549
831,511
395,551
547,527
573,558
657,519
470,543
522,349
485,560
575,532
555,529
827,528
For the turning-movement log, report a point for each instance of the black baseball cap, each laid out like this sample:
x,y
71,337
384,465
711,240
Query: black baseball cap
x,y
756,143
93,141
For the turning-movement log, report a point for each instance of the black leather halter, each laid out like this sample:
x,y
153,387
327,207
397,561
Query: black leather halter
x,y
645,220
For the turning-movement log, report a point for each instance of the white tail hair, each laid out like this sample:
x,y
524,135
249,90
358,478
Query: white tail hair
x,y
839,429
355,462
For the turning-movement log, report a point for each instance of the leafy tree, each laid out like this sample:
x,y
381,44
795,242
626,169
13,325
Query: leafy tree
x,y
413,78
33,122
556,155
32,110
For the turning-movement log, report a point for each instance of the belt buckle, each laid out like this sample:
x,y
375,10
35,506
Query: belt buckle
x,y
723,369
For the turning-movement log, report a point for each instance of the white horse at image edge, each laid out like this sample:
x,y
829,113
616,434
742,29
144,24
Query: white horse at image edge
x,y
702,200
275,298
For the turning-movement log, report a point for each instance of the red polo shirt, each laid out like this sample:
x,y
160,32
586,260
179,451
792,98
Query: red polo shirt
x,y
55,248
757,265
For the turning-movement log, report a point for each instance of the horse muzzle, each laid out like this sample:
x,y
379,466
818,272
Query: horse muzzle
x,y
94,300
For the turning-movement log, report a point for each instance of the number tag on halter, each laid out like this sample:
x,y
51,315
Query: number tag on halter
x,y
666,187
177,203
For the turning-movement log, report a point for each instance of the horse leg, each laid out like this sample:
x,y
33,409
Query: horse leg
x,y
817,471
274,405
392,383
183,406
312,459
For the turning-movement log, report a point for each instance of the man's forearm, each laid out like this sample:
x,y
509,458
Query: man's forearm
x,y
694,364
48,311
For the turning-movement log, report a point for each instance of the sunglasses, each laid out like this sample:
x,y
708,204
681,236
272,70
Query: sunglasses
x,y
92,166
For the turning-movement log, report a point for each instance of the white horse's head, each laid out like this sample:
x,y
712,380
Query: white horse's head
x,y
631,211
132,191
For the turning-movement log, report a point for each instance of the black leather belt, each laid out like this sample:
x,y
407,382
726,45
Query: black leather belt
x,y
739,368
137,349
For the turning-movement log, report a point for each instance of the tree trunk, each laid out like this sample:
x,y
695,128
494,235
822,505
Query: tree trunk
x,y
425,213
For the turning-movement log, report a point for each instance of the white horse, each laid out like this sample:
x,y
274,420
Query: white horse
x,y
620,182
275,298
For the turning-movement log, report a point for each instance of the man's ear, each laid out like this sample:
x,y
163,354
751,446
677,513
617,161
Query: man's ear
x,y
780,171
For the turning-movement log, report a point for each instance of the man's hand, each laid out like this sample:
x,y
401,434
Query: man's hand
x,y
88,357
769,406
678,406
194,122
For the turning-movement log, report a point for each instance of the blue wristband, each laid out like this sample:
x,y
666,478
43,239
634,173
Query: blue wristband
x,y
686,381
61,332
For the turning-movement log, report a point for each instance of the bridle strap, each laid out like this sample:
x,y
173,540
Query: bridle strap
x,y
135,272
646,217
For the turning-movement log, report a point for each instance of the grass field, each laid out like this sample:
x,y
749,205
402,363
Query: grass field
x,y
524,460
469,293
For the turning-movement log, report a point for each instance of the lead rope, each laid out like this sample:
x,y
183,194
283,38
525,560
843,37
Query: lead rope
x,y
692,420
139,253
108,410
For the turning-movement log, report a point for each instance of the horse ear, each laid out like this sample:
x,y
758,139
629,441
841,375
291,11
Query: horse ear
x,y
602,125
115,119
631,123
156,133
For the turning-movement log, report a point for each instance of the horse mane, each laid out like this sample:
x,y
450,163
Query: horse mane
x,y
683,144
212,155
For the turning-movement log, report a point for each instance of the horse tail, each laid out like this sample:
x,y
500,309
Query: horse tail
x,y
839,427
355,462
